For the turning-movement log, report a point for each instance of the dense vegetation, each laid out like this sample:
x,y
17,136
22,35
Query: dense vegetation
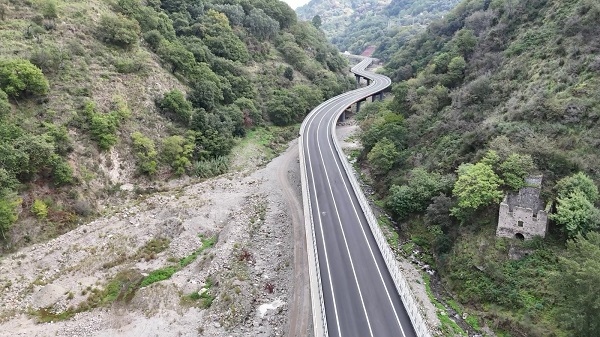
x,y
95,94
355,25
496,91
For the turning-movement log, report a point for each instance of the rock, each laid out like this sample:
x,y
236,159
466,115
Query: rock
x,y
126,187
47,296
171,228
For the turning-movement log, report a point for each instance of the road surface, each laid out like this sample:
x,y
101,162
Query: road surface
x,y
359,295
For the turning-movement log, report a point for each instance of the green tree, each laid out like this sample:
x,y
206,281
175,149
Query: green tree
x,y
576,214
383,156
421,187
576,284
577,182
316,21
21,77
119,30
175,104
515,169
477,186
260,24
288,73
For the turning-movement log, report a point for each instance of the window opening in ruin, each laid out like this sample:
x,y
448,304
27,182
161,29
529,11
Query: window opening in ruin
x,y
520,223
534,216
519,236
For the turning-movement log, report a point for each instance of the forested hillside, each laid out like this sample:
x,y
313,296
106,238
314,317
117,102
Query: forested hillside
x,y
96,94
355,25
497,91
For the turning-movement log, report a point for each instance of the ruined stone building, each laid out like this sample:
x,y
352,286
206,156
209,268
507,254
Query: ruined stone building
x,y
522,215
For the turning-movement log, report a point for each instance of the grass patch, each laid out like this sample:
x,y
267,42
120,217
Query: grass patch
x,y
205,299
206,243
166,272
390,232
159,275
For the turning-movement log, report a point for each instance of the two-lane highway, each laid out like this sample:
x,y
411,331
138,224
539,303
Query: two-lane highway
x,y
359,295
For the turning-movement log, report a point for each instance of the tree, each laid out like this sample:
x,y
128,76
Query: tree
x,y
576,284
515,169
578,182
414,197
383,156
576,214
316,21
119,30
175,104
260,24
21,77
288,73
477,186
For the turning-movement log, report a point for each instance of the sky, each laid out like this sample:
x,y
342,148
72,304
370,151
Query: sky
x,y
296,3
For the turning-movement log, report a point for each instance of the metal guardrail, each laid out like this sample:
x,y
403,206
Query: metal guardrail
x,y
314,274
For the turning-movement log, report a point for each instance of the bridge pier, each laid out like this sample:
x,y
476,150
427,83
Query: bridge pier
x,y
381,95
357,79
343,117
358,106
368,81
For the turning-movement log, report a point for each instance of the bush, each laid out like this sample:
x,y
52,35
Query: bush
x,y
175,104
4,104
21,77
119,30
40,209
145,152
8,214
177,152
62,173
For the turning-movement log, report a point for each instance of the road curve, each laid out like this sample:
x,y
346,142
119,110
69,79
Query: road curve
x,y
358,292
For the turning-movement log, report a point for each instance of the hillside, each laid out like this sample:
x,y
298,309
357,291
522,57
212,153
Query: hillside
x,y
495,92
355,25
100,96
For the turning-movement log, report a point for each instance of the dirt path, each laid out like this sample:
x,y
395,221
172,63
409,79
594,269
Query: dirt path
x,y
300,315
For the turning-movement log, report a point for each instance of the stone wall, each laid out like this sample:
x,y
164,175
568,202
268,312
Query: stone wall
x,y
508,222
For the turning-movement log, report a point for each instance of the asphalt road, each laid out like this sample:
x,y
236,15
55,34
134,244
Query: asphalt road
x,y
359,294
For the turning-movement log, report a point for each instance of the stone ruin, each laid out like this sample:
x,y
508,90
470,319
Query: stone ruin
x,y
522,215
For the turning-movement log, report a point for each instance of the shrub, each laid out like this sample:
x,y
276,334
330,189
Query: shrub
x,y
145,152
119,30
62,173
21,77
175,104
8,214
40,209
177,152
4,104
